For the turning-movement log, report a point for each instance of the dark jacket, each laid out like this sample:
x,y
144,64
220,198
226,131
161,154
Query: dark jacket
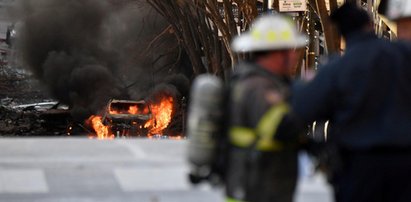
x,y
254,174
366,95
250,94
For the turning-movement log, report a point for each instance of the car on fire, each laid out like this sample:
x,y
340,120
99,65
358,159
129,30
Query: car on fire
x,y
127,118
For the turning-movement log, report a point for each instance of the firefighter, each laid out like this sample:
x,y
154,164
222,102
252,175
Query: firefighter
x,y
365,95
262,160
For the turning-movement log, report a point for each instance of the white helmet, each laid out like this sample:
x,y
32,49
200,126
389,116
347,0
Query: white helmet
x,y
397,9
269,32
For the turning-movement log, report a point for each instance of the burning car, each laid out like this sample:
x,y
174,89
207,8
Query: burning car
x,y
127,117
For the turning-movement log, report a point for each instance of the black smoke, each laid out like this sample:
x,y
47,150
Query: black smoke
x,y
89,51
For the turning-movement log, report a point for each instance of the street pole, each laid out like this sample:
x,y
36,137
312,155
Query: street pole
x,y
311,46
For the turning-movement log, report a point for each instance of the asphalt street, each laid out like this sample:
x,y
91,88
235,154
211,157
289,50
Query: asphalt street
x,y
87,170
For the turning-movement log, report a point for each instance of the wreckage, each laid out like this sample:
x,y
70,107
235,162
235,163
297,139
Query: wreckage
x,y
121,118
127,118
38,119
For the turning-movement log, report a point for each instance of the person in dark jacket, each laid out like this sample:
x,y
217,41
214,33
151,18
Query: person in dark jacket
x,y
366,97
344,16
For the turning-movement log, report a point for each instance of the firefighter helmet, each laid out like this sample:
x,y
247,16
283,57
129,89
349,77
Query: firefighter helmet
x,y
270,32
395,9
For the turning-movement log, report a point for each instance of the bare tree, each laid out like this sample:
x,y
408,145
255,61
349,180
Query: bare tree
x,y
205,28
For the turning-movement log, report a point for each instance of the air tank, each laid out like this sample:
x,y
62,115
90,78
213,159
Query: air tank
x,y
205,114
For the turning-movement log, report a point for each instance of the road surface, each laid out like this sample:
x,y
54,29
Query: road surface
x,y
84,170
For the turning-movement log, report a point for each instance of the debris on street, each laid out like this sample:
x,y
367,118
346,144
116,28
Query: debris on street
x,y
26,110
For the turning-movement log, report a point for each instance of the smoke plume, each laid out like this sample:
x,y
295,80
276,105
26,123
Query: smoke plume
x,y
89,51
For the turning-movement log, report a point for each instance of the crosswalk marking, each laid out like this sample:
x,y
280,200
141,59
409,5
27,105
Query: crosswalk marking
x,y
23,181
152,179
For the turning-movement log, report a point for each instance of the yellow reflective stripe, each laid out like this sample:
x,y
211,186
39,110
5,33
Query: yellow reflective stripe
x,y
271,36
256,35
233,200
266,129
268,125
286,35
241,136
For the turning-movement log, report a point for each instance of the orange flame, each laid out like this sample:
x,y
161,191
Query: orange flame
x,y
101,130
133,110
161,118
162,113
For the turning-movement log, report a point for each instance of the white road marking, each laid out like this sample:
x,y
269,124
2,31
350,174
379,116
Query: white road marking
x,y
23,181
152,179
